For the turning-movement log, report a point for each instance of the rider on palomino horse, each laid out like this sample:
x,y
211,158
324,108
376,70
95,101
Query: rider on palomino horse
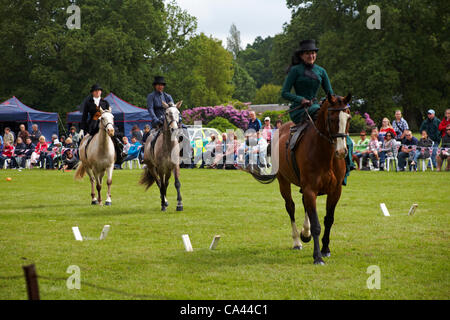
x,y
306,78
91,114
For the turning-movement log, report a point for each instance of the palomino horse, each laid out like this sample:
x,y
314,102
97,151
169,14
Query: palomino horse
x,y
320,160
163,158
99,157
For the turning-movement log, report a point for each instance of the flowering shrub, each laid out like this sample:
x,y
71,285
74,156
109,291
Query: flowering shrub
x,y
206,114
369,122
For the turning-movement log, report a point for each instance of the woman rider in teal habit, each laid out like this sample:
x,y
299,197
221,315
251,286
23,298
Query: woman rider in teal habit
x,y
306,77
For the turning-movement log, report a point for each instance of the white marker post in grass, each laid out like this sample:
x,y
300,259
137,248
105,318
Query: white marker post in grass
x,y
412,210
77,234
384,209
187,243
214,243
104,232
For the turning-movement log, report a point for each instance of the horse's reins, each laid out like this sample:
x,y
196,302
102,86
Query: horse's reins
x,y
330,138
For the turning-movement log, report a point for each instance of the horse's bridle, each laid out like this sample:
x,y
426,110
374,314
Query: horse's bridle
x,y
109,123
330,137
170,122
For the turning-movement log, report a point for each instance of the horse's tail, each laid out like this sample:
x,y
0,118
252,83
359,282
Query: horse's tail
x,y
81,171
262,178
147,179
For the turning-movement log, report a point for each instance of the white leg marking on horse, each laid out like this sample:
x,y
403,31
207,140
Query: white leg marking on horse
x,y
306,230
296,235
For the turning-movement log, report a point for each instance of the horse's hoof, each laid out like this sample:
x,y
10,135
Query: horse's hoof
x,y
297,248
94,202
108,203
179,208
326,254
319,262
163,209
305,239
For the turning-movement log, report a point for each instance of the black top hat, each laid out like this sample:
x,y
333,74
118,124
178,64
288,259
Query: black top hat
x,y
159,80
96,87
308,45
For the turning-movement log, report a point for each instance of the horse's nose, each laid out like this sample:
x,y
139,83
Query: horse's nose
x,y
111,132
341,153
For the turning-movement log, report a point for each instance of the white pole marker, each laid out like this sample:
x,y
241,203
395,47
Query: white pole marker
x,y
187,243
384,209
104,232
77,234
214,243
413,209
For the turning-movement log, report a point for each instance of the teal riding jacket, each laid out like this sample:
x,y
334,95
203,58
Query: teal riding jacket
x,y
306,81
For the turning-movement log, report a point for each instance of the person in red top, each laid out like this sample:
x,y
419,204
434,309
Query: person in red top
x,y
445,122
7,153
41,147
385,128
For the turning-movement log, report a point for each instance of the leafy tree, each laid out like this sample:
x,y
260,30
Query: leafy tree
x,y
268,94
244,85
201,73
403,65
234,41
255,59
121,45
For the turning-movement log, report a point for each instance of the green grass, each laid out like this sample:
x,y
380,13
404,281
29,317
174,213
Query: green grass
x,y
144,254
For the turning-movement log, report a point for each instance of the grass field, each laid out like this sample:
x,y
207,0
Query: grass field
x,y
144,255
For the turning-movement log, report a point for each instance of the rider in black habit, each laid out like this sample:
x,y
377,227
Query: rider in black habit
x,y
91,114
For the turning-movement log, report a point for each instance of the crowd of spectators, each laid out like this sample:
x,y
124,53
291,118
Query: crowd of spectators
x,y
31,149
391,142
396,142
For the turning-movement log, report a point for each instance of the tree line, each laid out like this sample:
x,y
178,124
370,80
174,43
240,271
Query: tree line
x,y
123,44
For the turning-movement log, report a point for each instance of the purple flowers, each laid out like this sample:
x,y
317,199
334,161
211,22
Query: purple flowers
x,y
370,123
205,114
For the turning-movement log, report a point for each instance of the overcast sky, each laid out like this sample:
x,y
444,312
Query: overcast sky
x,y
252,17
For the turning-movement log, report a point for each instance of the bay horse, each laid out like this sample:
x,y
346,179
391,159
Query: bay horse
x,y
164,158
320,161
98,158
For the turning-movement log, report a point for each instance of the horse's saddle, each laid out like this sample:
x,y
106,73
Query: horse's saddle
x,y
296,134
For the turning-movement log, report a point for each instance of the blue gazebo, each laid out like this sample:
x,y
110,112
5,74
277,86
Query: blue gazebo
x,y
13,110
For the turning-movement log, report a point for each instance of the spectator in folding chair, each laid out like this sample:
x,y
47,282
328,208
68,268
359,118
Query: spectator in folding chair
x,y
35,134
360,148
8,136
29,148
372,152
387,148
133,151
70,161
53,156
422,151
41,147
406,150
8,151
444,151
69,144
399,125
17,160
73,134
23,133
431,125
